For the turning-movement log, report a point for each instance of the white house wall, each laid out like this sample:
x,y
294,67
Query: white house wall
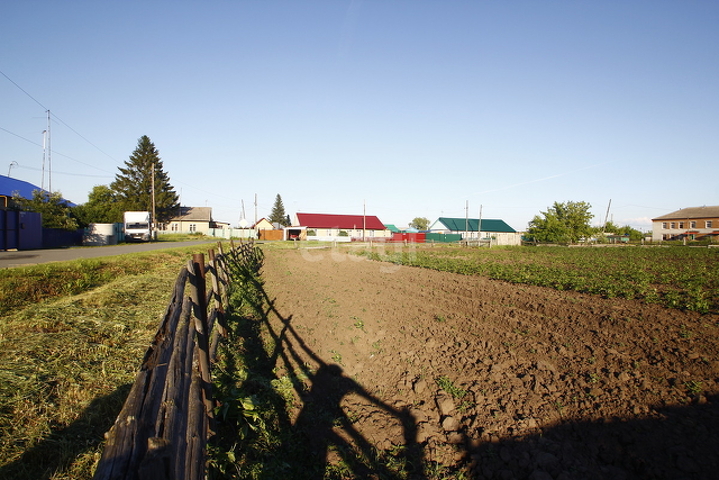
x,y
507,238
333,234
659,233
438,227
184,227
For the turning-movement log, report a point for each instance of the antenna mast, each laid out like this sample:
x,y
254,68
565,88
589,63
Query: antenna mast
x,y
606,218
49,154
44,155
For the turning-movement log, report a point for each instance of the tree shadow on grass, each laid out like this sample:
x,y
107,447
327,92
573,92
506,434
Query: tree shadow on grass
x,y
57,451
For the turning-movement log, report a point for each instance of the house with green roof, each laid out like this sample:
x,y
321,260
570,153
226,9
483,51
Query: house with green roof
x,y
472,229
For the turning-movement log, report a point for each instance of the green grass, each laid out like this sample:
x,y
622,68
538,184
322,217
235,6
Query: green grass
x,y
675,277
72,337
23,286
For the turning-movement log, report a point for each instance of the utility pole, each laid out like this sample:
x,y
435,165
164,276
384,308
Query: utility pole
x,y
255,209
44,155
152,223
49,154
479,227
364,219
466,221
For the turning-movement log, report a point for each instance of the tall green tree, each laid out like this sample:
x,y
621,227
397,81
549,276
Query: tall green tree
x,y
278,214
56,212
103,206
133,185
562,223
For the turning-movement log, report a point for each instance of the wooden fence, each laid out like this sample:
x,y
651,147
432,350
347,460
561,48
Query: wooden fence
x,y
162,430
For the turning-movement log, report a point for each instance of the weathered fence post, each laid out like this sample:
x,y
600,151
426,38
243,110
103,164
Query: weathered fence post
x,y
215,280
134,440
224,277
199,308
163,428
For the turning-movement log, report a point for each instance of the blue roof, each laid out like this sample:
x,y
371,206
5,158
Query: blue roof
x,y
10,186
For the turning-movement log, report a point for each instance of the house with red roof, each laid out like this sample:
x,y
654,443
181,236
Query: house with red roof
x,y
338,228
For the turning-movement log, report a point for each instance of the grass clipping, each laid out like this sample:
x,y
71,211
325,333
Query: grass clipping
x,y
67,361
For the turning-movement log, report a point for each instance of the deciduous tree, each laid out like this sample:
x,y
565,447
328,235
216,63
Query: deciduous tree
x,y
633,234
102,206
420,223
56,212
562,223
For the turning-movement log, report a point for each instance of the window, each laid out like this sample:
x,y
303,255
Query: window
x,y
708,224
681,224
664,225
693,224
674,225
175,227
193,227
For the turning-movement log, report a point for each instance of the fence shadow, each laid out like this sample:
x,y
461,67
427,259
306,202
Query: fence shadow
x,y
676,442
322,442
58,449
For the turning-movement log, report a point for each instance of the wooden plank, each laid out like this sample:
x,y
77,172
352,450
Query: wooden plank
x,y
199,310
172,418
162,430
197,426
127,439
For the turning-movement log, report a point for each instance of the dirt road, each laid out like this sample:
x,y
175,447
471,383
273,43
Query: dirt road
x,y
492,379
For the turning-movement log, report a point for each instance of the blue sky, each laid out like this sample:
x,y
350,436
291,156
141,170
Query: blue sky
x,y
412,109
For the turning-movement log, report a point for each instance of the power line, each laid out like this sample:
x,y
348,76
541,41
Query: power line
x,y
54,151
23,91
66,173
58,118
88,141
20,137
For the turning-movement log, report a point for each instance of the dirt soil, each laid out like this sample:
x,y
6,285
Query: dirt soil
x,y
492,379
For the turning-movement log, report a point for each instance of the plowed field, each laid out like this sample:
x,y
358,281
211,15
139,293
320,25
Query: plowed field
x,y
485,379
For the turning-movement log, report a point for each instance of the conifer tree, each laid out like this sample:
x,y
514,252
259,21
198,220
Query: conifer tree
x,y
278,214
133,184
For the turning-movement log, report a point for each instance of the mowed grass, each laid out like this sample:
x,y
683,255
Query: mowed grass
x,y
72,337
